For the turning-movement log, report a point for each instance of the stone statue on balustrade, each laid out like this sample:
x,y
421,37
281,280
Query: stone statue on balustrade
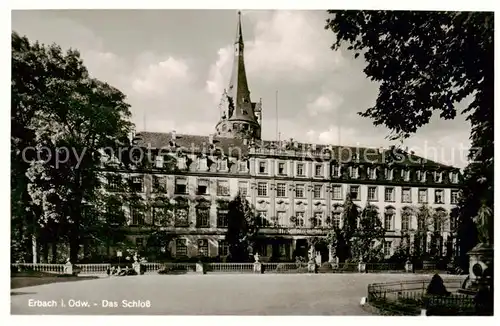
x,y
312,254
256,257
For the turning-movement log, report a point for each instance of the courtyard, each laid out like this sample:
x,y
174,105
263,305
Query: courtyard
x,y
211,294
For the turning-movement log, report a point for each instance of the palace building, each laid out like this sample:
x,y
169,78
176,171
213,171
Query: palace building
x,y
296,189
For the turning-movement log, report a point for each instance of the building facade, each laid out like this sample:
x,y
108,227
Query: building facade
x,y
296,189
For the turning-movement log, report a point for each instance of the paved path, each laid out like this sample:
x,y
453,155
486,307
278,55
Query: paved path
x,y
211,294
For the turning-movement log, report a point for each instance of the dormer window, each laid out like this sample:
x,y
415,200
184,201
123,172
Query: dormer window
x,y
454,177
405,174
222,164
372,173
389,173
438,176
182,163
421,176
159,161
353,172
242,166
202,164
336,171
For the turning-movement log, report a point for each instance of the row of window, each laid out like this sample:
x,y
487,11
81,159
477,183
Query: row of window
x,y
282,219
353,172
181,250
318,169
318,220
223,189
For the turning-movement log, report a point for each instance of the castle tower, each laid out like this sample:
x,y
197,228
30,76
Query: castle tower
x,y
240,117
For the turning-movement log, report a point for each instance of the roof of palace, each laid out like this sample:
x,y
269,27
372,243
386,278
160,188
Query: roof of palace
x,y
189,143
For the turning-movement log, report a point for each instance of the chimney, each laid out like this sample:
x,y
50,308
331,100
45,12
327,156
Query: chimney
x,y
313,147
174,135
295,144
380,150
245,141
211,139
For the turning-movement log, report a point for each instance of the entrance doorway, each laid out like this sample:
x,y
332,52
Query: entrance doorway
x,y
301,248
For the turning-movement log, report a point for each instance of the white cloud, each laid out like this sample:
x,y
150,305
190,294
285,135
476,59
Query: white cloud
x,y
218,76
157,77
285,45
324,103
291,43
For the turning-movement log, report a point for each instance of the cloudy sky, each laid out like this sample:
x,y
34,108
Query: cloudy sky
x,y
174,64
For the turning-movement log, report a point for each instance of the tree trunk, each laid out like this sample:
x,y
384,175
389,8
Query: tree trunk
x,y
74,247
34,248
108,249
45,251
54,252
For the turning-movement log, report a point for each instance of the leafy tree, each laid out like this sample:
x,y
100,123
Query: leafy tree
x,y
242,229
367,240
427,62
423,223
341,238
68,117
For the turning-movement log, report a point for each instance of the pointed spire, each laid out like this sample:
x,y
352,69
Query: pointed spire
x,y
239,33
238,92
240,109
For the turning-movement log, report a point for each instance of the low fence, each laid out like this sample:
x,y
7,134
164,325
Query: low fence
x,y
45,268
409,298
267,267
93,268
284,268
153,267
230,267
